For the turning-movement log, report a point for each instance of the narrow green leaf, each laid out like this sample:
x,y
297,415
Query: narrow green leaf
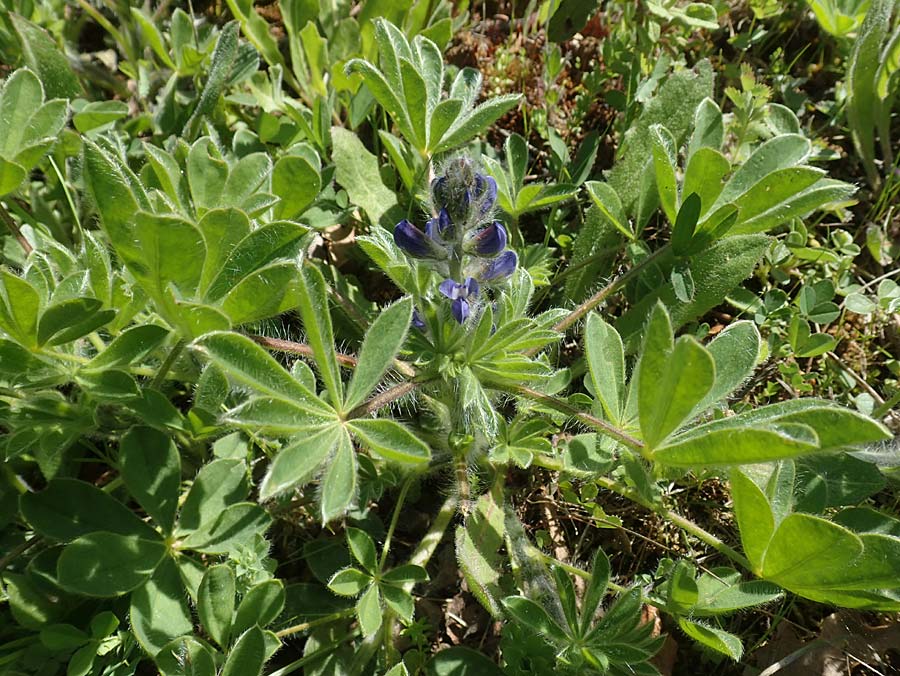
x,y
299,460
704,175
399,600
709,128
713,638
685,225
777,153
606,363
151,467
368,611
218,484
260,606
41,54
269,243
739,445
222,59
664,151
754,517
671,380
297,183
416,99
349,582
185,656
245,361
477,121
391,440
316,318
129,347
215,602
363,548
21,308
535,618
222,230
339,481
382,342
596,589
442,117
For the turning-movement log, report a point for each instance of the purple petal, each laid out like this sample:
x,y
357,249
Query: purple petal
x,y
412,240
417,320
471,287
450,289
431,228
444,221
502,266
488,193
460,310
439,190
490,241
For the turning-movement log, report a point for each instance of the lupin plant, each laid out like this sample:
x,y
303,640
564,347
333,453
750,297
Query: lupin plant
x,y
182,487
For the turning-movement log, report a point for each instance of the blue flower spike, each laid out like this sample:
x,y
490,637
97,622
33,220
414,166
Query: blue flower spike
x,y
459,294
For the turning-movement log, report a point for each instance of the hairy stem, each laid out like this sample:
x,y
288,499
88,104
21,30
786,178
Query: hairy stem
x,y
14,229
383,399
564,407
435,534
682,522
304,626
608,290
166,366
394,520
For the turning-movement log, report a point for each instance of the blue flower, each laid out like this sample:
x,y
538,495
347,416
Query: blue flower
x,y
489,241
417,320
415,242
459,294
485,193
499,268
